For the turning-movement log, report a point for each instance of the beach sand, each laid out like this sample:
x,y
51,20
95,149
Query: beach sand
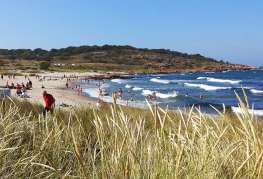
x,y
55,85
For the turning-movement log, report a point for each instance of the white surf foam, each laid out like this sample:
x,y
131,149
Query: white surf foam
x,y
159,95
92,92
128,86
137,89
201,78
147,92
156,80
256,91
168,95
120,81
207,87
219,80
246,87
180,81
224,81
241,111
209,72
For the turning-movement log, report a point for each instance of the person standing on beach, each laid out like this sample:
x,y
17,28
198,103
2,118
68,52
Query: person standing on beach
x,y
30,83
49,103
78,89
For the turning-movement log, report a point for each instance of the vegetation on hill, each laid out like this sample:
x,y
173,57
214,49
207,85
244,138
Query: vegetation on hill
x,y
41,54
110,58
114,142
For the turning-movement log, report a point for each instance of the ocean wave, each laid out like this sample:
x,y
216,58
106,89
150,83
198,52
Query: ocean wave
x,y
92,92
206,87
201,78
120,81
168,95
246,87
180,81
128,86
241,111
147,92
137,88
219,80
209,72
157,80
255,91
160,95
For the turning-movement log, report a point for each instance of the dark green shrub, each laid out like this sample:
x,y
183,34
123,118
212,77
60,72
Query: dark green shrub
x,y
44,65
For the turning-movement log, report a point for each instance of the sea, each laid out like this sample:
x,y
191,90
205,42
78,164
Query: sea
x,y
204,90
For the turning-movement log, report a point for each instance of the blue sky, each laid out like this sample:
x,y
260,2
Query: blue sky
x,y
226,29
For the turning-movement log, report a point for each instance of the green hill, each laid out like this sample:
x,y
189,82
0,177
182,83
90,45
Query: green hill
x,y
112,58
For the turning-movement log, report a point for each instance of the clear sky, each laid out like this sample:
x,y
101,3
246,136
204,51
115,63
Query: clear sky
x,y
223,29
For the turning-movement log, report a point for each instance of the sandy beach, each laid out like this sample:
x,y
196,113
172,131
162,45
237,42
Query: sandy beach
x,y
55,85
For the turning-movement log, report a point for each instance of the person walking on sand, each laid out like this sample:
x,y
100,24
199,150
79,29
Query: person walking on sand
x,y
49,101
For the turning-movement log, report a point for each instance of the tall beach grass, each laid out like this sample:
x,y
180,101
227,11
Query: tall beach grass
x,y
116,142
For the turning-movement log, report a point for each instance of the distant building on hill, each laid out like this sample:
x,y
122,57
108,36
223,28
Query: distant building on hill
x,y
59,64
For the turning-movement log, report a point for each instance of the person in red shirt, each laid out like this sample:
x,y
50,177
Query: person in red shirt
x,y
49,103
18,89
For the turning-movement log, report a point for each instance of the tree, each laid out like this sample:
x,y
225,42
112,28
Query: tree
x,y
44,65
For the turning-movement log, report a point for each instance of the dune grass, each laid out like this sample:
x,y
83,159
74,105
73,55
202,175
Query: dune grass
x,y
115,142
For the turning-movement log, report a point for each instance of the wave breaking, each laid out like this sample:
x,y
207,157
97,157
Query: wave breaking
x,y
239,110
217,80
255,91
207,87
157,80
160,95
120,81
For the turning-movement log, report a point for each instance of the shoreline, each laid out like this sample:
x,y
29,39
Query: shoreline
x,y
233,108
55,84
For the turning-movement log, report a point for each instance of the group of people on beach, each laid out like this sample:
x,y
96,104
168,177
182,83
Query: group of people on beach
x,y
10,76
20,88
